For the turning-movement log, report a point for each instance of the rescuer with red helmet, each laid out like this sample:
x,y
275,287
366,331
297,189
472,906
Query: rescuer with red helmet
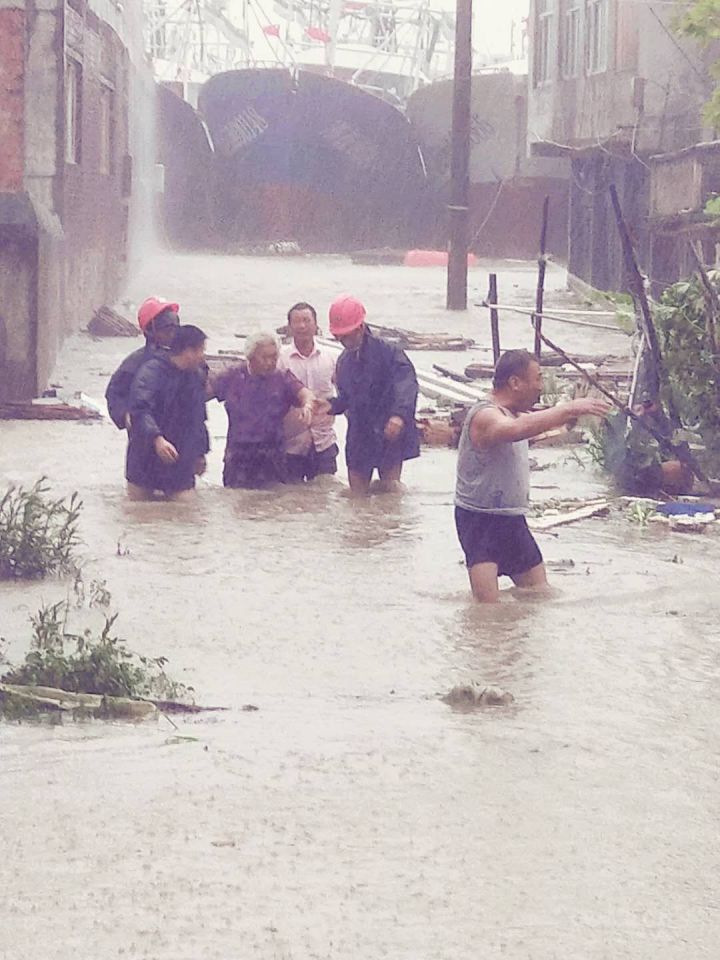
x,y
377,389
158,319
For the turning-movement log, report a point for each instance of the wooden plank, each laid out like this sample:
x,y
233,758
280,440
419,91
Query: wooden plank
x,y
560,519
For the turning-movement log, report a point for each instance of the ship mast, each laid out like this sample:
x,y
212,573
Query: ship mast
x,y
387,47
335,13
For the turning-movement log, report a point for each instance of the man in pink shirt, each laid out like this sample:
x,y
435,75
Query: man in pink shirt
x,y
313,450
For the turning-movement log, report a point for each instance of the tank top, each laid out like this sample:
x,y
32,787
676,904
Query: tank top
x,y
493,480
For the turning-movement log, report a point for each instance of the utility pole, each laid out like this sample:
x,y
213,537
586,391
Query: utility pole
x,y
460,163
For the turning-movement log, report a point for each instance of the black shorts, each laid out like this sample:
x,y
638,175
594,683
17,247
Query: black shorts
x,y
496,538
312,464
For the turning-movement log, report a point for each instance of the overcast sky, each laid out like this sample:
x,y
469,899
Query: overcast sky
x,y
492,20
491,23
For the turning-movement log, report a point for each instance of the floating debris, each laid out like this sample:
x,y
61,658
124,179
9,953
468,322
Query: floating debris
x,y
438,431
107,322
51,408
557,517
412,340
274,248
383,256
18,699
470,696
29,699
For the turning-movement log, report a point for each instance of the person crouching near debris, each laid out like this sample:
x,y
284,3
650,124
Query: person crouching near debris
x,y
158,320
493,475
257,397
168,439
377,389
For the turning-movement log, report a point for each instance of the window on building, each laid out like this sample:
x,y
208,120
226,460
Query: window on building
x,y
73,111
571,39
107,129
542,47
596,17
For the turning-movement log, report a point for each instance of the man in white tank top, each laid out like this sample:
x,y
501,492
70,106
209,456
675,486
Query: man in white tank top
x,y
493,475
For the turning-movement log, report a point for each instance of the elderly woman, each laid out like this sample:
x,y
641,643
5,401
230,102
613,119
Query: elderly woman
x,y
257,397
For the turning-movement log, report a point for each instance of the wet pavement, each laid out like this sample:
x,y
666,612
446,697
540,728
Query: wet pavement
x,y
354,815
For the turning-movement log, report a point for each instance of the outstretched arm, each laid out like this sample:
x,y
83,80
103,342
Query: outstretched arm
x,y
305,399
339,403
490,426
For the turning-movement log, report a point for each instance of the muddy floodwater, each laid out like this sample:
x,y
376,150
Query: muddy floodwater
x,y
353,815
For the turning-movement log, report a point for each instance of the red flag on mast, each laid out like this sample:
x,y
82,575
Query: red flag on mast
x,y
272,30
317,33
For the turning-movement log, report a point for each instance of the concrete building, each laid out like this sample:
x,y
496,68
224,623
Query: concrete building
x,y
67,71
507,186
612,86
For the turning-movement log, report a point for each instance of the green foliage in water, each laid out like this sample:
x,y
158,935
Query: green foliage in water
x,y
693,376
38,535
629,454
700,20
712,206
91,661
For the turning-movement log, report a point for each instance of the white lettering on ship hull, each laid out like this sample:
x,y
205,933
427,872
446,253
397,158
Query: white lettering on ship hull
x,y
241,131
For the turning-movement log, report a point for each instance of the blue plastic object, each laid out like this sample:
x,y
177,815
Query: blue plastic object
x,y
685,509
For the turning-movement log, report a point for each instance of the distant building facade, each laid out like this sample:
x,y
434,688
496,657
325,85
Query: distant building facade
x,y
612,88
67,71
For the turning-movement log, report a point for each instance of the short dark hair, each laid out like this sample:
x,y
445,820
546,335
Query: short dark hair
x,y
302,306
187,337
513,363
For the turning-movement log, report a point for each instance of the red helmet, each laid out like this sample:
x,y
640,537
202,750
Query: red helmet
x,y
346,315
150,308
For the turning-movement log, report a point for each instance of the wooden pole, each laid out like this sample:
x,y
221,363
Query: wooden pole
x,y
542,266
637,290
460,162
494,318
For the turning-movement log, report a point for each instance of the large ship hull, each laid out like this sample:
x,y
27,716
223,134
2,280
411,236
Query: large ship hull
x,y
310,158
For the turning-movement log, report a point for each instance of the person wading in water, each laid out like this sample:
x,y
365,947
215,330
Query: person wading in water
x,y
493,475
377,389
310,451
168,438
257,397
158,320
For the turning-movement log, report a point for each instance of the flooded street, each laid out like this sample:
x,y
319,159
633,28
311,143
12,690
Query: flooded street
x,y
354,815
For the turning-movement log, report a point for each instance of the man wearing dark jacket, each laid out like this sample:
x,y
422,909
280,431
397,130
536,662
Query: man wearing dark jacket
x,y
158,319
168,438
377,389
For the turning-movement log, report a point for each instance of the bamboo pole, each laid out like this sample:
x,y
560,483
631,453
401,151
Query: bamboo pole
x,y
550,316
494,318
637,290
542,266
713,311
713,301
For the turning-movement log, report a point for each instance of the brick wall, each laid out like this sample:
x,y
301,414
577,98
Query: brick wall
x,y
12,57
94,209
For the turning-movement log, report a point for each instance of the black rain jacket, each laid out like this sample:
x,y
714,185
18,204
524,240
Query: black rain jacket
x,y
168,402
